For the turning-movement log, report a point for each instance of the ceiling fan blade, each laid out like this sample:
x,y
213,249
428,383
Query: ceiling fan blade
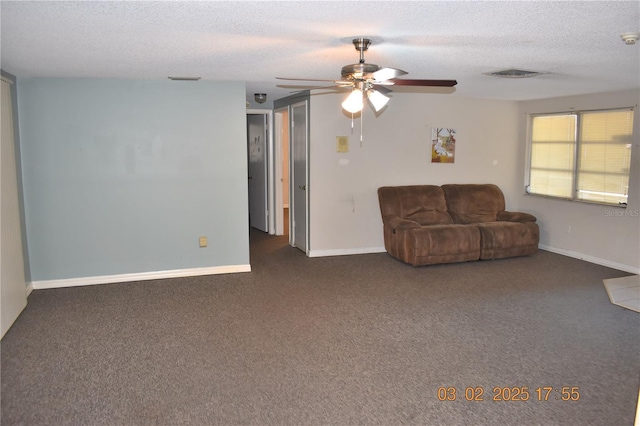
x,y
387,74
301,88
301,79
382,89
436,83
315,79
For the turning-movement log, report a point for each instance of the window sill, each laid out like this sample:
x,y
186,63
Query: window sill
x,y
573,200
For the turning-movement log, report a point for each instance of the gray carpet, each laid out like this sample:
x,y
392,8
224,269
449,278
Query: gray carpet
x,y
352,340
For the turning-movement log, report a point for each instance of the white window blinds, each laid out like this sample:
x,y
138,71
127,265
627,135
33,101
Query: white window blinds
x,y
553,144
583,156
605,156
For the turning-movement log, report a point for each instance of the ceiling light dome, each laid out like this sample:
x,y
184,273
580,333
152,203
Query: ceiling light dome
x,y
354,102
377,99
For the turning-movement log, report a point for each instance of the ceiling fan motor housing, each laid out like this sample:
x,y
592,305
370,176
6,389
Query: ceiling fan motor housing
x,y
360,70
357,71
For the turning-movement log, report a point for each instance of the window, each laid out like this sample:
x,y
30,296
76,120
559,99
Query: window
x,y
583,156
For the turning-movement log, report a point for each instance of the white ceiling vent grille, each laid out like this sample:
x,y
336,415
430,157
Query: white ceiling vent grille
x,y
515,73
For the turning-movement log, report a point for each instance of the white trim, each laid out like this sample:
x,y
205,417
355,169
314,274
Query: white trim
x,y
576,255
140,276
29,288
277,165
592,259
346,252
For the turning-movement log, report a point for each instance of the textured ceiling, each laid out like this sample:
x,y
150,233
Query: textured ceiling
x,y
576,42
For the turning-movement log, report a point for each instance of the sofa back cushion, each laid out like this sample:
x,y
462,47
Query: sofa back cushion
x,y
424,204
473,203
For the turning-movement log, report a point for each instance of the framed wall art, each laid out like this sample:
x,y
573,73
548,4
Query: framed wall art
x,y
443,145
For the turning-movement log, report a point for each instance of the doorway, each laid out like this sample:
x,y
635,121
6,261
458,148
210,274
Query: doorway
x,y
292,171
257,157
282,170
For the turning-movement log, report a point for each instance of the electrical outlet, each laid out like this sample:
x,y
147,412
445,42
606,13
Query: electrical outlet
x,y
203,241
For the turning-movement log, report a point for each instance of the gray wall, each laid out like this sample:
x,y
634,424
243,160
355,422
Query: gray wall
x,y
123,176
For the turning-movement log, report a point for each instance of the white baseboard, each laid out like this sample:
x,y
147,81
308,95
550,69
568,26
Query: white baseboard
x,y
592,259
346,252
140,276
576,255
29,288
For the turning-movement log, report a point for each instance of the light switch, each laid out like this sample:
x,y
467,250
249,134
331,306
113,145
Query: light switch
x,y
203,241
342,144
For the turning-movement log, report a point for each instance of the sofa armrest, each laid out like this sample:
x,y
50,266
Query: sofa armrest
x,y
505,216
398,223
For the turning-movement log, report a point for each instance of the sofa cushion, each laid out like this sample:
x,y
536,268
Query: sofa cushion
x,y
507,239
430,217
442,244
473,203
424,204
516,217
446,239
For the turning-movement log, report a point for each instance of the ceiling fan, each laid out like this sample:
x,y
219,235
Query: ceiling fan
x,y
371,81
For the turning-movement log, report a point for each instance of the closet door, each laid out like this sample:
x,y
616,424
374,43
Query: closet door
x,y
300,176
13,290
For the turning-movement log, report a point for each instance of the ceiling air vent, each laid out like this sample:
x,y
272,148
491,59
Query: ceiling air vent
x,y
514,73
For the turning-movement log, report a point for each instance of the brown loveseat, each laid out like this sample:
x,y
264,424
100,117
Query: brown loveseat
x,y
428,224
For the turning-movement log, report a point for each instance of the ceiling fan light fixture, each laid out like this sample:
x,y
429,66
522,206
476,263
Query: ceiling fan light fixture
x,y
377,99
354,102
372,80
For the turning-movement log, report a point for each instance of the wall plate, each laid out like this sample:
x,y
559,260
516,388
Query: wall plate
x,y
342,144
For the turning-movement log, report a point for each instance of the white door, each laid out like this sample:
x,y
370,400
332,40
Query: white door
x,y
257,151
281,171
13,290
299,176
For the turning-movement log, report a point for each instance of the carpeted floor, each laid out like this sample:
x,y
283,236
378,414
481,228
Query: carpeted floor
x,y
350,340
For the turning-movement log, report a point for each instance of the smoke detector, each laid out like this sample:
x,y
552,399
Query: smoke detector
x,y
630,38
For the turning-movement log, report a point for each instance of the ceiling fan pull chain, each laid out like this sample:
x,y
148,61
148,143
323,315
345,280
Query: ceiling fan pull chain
x,y
351,123
361,126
